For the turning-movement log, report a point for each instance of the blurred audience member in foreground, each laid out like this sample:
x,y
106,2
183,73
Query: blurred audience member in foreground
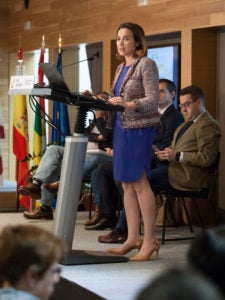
x,y
180,284
207,255
29,257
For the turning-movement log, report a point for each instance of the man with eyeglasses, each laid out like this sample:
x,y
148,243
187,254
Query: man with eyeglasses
x,y
194,147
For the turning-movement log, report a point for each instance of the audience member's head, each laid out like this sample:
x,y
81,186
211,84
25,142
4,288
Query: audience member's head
x,y
207,255
29,257
195,93
180,284
167,92
191,102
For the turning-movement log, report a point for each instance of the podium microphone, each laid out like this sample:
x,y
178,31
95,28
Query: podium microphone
x,y
96,54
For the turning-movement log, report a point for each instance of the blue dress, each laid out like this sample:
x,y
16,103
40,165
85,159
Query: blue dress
x,y
132,148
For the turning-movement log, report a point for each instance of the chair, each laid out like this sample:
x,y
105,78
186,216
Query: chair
x,y
205,193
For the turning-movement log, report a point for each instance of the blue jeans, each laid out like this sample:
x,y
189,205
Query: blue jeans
x,y
90,168
49,170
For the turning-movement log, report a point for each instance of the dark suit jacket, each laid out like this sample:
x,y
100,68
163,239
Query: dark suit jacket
x,y
100,123
200,145
169,121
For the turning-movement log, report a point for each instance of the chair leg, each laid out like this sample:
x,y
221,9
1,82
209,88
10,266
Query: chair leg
x,y
213,210
187,214
17,202
198,213
119,201
171,210
164,221
90,203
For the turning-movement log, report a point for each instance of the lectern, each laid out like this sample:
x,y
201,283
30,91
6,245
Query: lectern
x,y
72,168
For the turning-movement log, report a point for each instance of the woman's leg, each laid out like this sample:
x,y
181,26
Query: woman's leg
x,y
132,210
133,221
139,198
146,201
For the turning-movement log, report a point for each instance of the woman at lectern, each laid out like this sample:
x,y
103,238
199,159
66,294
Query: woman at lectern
x,y
135,87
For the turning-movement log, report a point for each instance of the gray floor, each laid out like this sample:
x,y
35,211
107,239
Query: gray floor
x,y
118,280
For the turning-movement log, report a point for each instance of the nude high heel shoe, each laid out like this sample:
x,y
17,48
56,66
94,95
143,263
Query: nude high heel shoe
x,y
155,248
119,251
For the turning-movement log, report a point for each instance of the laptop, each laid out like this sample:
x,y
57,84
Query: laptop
x,y
55,79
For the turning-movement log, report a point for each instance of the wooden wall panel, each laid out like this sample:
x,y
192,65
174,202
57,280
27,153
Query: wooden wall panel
x,y
204,60
96,20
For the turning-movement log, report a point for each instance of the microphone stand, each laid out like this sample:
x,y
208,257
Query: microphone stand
x,y
80,61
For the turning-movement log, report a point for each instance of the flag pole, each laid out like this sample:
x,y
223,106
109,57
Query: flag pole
x,y
60,111
60,44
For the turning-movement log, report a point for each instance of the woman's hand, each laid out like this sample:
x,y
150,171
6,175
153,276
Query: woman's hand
x,y
120,101
116,101
89,93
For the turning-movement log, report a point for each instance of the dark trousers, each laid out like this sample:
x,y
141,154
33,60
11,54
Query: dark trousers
x,y
159,178
107,188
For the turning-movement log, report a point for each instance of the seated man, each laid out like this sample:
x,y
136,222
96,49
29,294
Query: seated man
x,y
48,171
29,257
169,120
194,147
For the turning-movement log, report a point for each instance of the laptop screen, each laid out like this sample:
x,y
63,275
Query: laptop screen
x,y
55,79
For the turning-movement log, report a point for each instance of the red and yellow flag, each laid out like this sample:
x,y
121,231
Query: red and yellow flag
x,y
20,144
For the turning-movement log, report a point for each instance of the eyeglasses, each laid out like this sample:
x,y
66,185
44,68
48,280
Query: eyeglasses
x,y
186,104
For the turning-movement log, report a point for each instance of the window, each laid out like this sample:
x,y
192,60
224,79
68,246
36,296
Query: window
x,y
167,59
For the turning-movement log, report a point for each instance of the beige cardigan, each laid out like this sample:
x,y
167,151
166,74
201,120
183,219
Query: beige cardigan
x,y
141,85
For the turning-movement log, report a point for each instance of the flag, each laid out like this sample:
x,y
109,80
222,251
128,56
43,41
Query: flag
x,y
60,115
2,136
20,144
39,141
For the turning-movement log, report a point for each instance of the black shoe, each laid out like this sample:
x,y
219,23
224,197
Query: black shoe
x,y
101,225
